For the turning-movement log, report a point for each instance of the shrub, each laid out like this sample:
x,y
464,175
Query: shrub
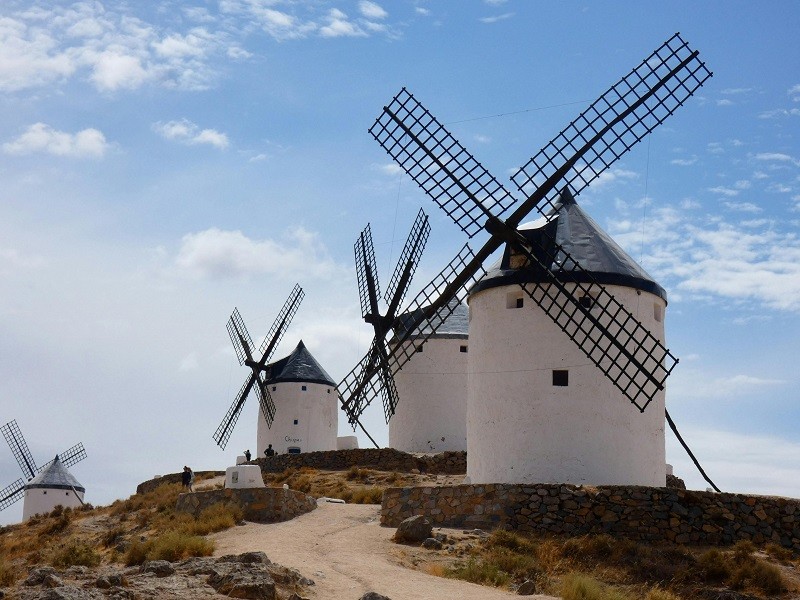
x,y
713,567
480,572
513,541
658,594
75,553
59,522
576,586
778,552
743,549
8,574
171,546
758,574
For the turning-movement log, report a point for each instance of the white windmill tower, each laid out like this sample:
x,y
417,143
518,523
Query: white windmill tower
x,y
432,416
48,486
306,406
614,324
568,421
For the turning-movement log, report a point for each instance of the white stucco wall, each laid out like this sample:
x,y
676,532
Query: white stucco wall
x,y
521,428
316,413
431,414
40,501
244,476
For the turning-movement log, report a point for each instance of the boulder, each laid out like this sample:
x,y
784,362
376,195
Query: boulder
x,y
374,596
413,529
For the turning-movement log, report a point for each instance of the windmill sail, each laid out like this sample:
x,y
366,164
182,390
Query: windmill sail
x,y
629,355
243,345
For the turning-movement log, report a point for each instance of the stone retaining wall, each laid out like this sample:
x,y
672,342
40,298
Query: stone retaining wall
x,y
638,513
149,486
380,459
263,505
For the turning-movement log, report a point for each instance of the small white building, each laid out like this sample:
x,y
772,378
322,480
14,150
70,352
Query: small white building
x,y
52,487
431,412
306,406
538,409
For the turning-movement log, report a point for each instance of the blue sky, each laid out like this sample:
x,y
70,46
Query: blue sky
x,y
164,162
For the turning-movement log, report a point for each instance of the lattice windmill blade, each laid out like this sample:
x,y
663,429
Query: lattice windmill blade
x,y
240,338
407,264
615,122
284,318
11,494
225,428
370,378
441,166
608,129
631,357
369,289
13,436
68,457
433,305
266,402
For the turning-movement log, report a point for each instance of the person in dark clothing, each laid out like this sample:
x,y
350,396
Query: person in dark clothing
x,y
269,451
187,478
247,455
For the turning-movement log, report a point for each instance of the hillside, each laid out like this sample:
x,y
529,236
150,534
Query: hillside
x,y
116,551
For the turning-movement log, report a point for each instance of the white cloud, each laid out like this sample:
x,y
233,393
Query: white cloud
x,y
737,462
422,11
723,191
186,132
12,260
732,386
372,10
113,49
683,162
736,91
390,169
40,137
220,254
724,102
794,93
777,157
339,26
496,18
748,207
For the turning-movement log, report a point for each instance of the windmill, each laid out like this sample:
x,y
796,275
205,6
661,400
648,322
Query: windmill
x,y
358,384
243,344
19,448
604,330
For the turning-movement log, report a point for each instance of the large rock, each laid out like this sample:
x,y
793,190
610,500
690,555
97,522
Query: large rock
x,y
374,596
414,529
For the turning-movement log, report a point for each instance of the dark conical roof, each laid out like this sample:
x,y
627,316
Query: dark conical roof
x,y
55,475
298,366
455,325
586,243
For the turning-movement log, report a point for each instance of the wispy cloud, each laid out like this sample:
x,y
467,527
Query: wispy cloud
x,y
186,132
222,254
40,137
496,18
338,25
372,10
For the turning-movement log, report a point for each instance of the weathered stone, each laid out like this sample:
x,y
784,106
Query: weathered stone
x,y
252,585
160,568
39,575
374,596
527,588
413,529
431,543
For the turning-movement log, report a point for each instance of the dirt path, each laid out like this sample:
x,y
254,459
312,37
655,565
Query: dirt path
x,y
347,553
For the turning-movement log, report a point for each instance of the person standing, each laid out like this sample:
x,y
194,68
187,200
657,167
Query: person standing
x,y
187,478
247,455
269,451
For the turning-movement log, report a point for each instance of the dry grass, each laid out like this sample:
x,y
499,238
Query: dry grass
x,y
355,486
604,568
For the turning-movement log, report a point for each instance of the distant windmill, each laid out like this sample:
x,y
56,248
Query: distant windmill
x,y
53,475
570,296
243,344
358,385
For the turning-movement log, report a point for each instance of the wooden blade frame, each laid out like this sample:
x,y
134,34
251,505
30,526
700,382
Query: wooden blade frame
x,y
11,494
361,386
19,448
612,125
243,344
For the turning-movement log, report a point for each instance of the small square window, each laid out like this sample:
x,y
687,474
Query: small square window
x,y
586,302
514,299
329,391
463,348
295,421
274,388
560,378
419,348
303,388
658,313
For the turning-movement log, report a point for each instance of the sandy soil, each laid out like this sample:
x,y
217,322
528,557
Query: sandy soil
x,y
343,548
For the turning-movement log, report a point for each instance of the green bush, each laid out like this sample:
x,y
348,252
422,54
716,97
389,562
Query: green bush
x,y
480,572
576,586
